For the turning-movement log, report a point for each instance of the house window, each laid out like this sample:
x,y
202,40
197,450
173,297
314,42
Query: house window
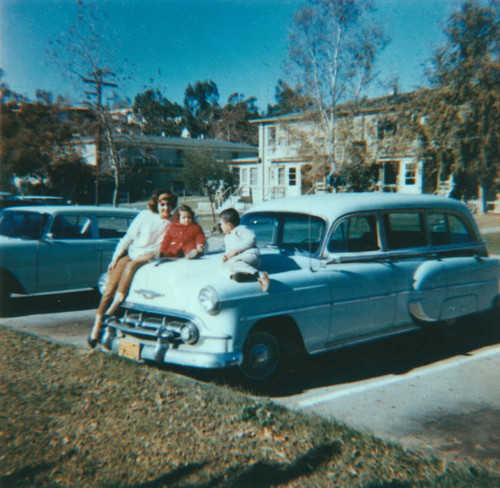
x,y
391,171
178,155
411,174
271,136
386,127
236,176
358,151
292,176
244,176
253,176
281,176
282,137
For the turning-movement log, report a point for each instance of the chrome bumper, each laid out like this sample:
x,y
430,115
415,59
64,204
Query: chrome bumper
x,y
161,348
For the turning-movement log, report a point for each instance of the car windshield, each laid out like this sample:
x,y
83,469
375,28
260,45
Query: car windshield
x,y
28,225
290,231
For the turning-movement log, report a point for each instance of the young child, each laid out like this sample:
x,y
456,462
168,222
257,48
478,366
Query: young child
x,y
241,254
183,237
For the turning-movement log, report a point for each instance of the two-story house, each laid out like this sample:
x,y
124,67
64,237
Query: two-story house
x,y
369,132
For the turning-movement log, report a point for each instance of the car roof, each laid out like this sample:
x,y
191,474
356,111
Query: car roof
x,y
53,209
36,197
332,205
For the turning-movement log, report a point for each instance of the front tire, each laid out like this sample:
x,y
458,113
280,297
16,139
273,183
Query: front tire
x,y
261,356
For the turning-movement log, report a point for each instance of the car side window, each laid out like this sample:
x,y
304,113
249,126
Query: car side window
x,y
447,229
112,226
71,227
355,234
404,230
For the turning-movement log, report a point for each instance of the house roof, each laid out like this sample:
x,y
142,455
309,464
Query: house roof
x,y
181,143
365,105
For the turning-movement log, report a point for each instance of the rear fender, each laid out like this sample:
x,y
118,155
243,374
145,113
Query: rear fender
x,y
453,287
429,291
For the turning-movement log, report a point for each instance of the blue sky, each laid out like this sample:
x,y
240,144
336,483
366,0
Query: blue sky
x,y
239,44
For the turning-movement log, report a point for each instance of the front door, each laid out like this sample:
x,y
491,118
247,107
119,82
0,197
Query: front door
x,y
363,299
70,258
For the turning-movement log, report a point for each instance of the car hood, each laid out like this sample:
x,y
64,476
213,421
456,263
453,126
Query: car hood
x,y
176,284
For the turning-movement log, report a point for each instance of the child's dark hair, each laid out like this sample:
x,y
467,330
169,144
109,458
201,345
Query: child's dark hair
x,y
183,208
230,216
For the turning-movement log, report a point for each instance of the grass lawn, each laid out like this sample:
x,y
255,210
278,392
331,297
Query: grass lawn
x,y
74,418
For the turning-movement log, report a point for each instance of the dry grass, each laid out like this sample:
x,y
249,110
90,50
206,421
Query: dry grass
x,y
70,418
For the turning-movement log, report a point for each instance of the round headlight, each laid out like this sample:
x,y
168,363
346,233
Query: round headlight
x,y
189,333
209,300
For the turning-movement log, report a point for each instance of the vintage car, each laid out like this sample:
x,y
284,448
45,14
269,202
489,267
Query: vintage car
x,y
344,269
57,248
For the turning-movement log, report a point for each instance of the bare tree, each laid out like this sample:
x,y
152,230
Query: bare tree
x,y
333,45
83,53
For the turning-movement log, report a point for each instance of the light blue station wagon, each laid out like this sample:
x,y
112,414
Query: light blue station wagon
x,y
344,269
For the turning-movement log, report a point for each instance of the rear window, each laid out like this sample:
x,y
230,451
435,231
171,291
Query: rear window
x,y
404,230
448,229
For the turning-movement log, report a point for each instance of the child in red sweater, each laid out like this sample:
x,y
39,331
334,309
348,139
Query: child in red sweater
x,y
183,237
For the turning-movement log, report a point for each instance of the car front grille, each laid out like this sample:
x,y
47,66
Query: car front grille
x,y
148,326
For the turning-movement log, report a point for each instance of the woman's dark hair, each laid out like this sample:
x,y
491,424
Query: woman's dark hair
x,y
183,208
230,216
165,195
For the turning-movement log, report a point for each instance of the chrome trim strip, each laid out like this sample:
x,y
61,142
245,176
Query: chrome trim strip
x,y
366,299
284,312
368,338
468,285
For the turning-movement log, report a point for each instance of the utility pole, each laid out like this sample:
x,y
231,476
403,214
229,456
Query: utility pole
x,y
99,83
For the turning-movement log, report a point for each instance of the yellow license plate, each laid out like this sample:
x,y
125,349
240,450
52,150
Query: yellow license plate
x,y
130,350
